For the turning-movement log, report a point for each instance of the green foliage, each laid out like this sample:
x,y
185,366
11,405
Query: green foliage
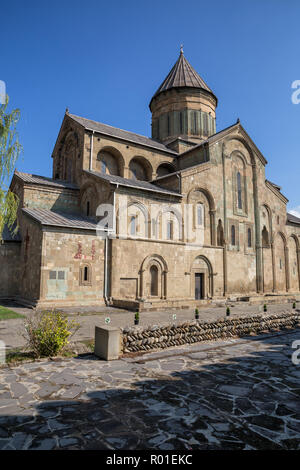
x,y
228,311
137,316
294,304
7,314
265,308
48,333
196,313
10,149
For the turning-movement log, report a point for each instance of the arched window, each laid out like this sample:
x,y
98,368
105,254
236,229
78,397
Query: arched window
x,y
249,238
239,190
154,280
200,215
233,240
133,225
88,208
170,230
85,275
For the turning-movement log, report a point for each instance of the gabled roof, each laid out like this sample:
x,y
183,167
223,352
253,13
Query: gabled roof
x,y
137,184
121,134
293,219
44,181
182,75
61,219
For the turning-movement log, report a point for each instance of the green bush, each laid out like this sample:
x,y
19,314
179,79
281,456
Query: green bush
x,y
48,332
137,316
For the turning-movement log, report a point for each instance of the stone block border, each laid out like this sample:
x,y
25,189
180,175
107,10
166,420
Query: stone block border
x,y
145,339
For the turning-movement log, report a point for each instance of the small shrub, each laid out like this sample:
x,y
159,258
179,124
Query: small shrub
x,y
196,313
227,311
294,304
265,308
137,316
48,333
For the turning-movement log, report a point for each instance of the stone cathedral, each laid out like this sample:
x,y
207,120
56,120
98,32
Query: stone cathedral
x,y
143,257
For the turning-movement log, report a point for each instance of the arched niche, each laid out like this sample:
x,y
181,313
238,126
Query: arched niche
x,y
88,199
281,262
201,278
140,169
110,161
293,249
164,169
201,196
153,269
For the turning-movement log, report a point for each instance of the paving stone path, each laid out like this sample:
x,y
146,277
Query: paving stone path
x,y
233,394
11,331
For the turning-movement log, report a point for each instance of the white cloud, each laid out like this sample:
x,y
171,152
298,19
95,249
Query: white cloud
x,y
295,211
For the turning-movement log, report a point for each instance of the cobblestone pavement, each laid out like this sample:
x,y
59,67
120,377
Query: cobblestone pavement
x,y
233,394
88,317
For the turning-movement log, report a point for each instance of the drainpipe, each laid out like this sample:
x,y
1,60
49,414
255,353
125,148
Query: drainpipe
x,y
106,247
91,152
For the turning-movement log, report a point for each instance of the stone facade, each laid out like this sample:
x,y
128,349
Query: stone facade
x,y
193,218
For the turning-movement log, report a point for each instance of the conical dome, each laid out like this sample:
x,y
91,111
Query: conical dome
x,y
182,75
183,107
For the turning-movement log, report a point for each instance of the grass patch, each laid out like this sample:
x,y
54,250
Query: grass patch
x,y
6,314
15,356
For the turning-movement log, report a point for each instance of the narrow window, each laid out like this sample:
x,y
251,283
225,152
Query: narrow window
x,y
154,280
88,208
181,123
239,190
168,124
52,275
86,274
220,234
170,230
200,215
133,225
233,235
249,238
103,166
195,123
280,263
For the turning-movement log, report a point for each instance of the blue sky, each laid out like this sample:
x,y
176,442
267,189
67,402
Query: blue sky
x,y
104,60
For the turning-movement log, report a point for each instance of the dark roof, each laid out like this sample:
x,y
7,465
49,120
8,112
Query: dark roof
x,y
61,219
182,75
8,234
293,219
121,134
144,185
43,180
274,185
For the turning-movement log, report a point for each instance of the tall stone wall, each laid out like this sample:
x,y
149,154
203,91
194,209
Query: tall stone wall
x,y
9,269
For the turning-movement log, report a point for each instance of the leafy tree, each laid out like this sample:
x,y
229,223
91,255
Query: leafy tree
x,y
10,149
